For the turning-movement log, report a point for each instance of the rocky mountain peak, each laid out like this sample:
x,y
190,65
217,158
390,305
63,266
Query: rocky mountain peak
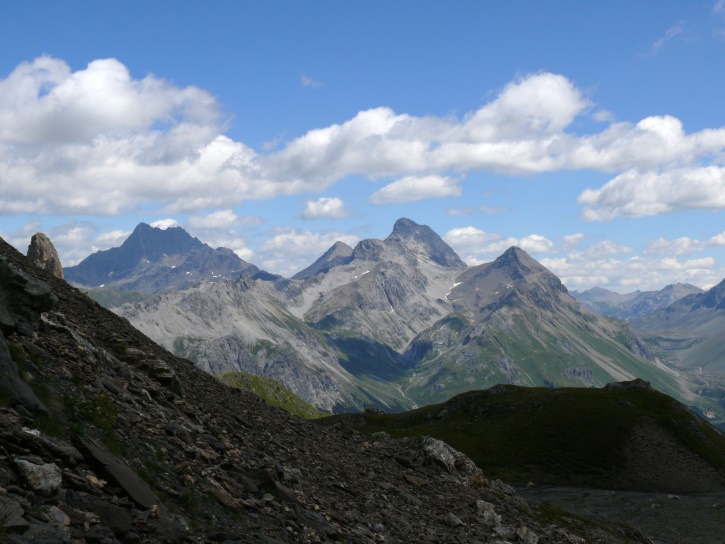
x,y
340,247
153,259
42,253
517,261
409,234
152,242
406,227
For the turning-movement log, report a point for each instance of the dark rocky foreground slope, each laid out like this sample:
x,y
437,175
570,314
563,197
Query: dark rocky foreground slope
x,y
116,440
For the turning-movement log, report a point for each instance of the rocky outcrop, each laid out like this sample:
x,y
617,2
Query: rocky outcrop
x,y
42,253
146,458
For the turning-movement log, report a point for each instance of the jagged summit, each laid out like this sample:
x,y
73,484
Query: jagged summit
x,y
517,260
146,243
514,278
152,242
517,265
408,240
153,259
422,238
406,227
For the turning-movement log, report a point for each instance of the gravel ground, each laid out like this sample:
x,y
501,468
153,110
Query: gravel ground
x,y
667,519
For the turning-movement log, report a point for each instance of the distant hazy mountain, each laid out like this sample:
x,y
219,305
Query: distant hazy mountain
x,y
688,335
399,322
153,260
633,305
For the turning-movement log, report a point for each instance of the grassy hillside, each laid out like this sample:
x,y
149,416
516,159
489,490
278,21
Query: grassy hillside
x,y
634,438
558,350
272,392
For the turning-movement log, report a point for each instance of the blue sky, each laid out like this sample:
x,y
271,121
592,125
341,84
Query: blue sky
x,y
592,135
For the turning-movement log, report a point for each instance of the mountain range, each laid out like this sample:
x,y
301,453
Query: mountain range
x,y
105,437
687,336
398,323
633,305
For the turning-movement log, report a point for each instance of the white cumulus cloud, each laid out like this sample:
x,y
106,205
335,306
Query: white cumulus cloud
x,y
636,194
572,240
606,247
578,270
476,246
99,141
290,250
414,188
325,208
222,219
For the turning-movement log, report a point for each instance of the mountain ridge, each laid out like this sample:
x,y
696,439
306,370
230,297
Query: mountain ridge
x,y
152,259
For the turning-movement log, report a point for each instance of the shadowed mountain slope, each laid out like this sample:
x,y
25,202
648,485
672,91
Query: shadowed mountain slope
x,y
624,436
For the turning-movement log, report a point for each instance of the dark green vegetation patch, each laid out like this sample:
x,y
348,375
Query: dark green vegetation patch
x,y
631,438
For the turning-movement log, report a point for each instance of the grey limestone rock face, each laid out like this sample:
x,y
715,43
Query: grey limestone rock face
x,y
42,253
408,233
339,254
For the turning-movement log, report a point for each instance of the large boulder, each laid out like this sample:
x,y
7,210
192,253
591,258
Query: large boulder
x,y
42,253
44,478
